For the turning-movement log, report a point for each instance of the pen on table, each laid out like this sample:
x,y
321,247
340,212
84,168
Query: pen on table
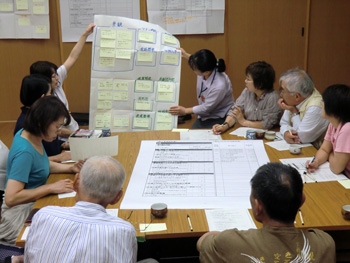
x,y
313,159
290,132
309,175
304,177
301,217
189,222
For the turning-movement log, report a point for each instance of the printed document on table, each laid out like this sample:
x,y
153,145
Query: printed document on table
x,y
282,145
242,131
222,219
322,174
199,135
194,174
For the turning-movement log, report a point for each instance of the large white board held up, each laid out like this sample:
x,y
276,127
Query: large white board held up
x,y
194,174
135,75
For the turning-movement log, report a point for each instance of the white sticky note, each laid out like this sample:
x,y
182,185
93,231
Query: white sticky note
x,y
146,36
145,228
108,33
169,39
144,56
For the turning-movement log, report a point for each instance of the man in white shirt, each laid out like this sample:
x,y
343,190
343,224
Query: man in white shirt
x,y
85,232
301,121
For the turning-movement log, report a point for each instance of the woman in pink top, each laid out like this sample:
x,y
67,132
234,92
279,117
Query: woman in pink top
x,y
336,144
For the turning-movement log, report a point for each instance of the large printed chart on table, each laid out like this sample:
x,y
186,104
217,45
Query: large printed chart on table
x,y
135,75
194,174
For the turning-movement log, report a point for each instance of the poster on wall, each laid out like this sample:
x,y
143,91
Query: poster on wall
x,y
76,15
135,75
24,19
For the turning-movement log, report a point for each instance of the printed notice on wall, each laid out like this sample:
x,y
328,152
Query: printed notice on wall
x,y
135,75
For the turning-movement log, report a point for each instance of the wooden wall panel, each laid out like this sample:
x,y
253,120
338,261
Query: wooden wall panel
x,y
329,52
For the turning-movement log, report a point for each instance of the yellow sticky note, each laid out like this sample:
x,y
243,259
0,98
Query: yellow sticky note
x,y
141,122
169,39
104,104
144,56
6,7
120,85
107,43
108,33
146,36
123,54
121,121
180,130
102,120
160,126
106,52
165,96
164,117
22,4
123,96
124,39
24,20
105,84
107,62
170,58
165,86
104,95
40,29
144,86
143,105
38,1
38,9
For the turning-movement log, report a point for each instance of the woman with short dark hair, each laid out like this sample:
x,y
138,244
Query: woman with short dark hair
x,y
214,90
257,106
28,166
336,145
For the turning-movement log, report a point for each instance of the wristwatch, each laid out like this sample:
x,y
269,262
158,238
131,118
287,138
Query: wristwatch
x,y
295,114
228,125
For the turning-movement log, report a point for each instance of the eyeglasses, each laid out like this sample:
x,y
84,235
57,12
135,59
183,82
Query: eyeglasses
x,y
285,91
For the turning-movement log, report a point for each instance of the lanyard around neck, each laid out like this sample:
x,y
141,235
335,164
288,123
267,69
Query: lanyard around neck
x,y
202,90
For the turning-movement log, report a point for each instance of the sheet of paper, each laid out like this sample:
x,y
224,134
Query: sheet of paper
x,y
67,195
153,227
25,233
322,174
199,135
82,148
188,17
112,211
345,183
242,131
194,174
223,219
282,145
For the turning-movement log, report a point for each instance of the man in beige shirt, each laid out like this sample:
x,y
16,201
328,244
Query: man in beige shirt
x,y
276,196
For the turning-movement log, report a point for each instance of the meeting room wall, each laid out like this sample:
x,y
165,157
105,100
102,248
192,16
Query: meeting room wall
x,y
309,34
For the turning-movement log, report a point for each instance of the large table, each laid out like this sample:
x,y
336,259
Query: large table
x,y
320,210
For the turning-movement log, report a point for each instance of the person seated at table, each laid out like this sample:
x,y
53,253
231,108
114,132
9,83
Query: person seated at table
x,y
34,87
336,145
4,152
276,196
301,121
93,235
257,106
58,75
28,166
214,90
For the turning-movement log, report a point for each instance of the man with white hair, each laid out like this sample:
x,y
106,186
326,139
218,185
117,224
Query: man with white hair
x,y
85,232
302,104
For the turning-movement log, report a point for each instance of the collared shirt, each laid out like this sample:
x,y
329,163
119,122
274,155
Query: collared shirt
x,y
264,109
310,128
214,96
82,233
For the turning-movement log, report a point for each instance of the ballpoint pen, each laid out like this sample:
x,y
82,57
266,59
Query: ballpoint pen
x,y
301,217
189,222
